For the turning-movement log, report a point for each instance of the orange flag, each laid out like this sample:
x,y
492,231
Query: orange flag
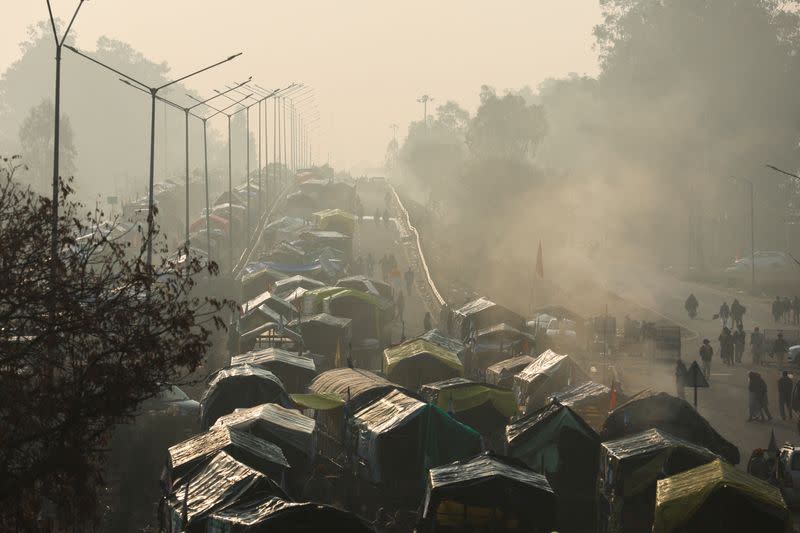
x,y
539,262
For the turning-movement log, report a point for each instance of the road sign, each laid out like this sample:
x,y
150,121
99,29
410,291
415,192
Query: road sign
x,y
695,378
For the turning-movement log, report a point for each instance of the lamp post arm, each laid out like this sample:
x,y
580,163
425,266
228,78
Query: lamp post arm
x,y
112,69
218,63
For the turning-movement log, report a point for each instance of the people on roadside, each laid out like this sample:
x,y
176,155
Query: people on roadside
x,y
785,387
737,312
739,338
763,397
409,277
680,378
777,309
753,397
726,346
724,313
757,346
779,349
706,352
691,306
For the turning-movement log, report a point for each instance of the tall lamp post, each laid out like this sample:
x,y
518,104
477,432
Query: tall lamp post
x,y
752,232
57,130
424,99
153,93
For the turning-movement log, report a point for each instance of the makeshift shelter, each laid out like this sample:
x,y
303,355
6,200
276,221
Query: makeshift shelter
x,y
284,229
557,442
500,337
225,198
333,239
629,469
237,387
671,415
214,222
502,373
717,498
264,309
417,362
288,429
284,257
336,220
257,281
438,337
295,371
482,313
277,515
365,284
230,212
548,374
487,492
483,407
186,457
289,284
369,313
300,205
592,401
218,485
400,438
322,333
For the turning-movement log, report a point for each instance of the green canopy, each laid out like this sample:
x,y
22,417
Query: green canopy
x,y
412,348
318,401
460,394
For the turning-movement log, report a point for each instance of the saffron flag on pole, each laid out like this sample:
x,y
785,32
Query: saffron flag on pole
x,y
539,262
338,360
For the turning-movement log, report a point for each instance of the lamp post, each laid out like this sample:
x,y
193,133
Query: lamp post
x,y
153,93
424,99
57,132
752,232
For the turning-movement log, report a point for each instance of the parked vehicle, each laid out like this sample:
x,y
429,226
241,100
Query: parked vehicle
x,y
788,474
771,268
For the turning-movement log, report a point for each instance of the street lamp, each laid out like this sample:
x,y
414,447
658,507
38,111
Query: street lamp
x,y
153,93
424,99
752,232
57,129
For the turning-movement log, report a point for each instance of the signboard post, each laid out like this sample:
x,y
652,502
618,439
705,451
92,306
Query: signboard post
x,y
695,378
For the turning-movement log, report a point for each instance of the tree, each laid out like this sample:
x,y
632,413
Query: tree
x,y
120,330
505,127
452,117
36,139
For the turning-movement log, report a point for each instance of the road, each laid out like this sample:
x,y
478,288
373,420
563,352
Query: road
x,y
724,404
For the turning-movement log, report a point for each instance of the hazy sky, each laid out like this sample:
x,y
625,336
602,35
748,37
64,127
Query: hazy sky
x,y
367,60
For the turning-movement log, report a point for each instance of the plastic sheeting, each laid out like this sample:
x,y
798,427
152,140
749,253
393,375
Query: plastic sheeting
x,y
240,386
420,347
460,394
353,384
592,401
502,373
680,497
548,374
273,422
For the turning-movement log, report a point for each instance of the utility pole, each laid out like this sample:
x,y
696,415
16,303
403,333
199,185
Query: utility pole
x,y
394,131
424,99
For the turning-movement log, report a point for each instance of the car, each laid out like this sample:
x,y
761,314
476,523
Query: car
x,y
771,267
788,474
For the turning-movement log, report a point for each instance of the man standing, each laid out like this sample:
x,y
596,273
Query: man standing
x,y
785,386
724,313
757,345
726,346
680,378
706,351
738,342
779,349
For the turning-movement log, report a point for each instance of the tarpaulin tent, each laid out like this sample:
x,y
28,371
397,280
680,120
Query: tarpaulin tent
x,y
557,442
276,515
438,337
189,455
502,373
717,497
295,371
501,337
284,256
592,401
262,310
365,284
336,220
671,415
629,469
487,492
214,222
417,362
548,374
289,284
369,314
225,198
238,387
400,438
483,407
290,430
482,313
258,280
333,239
322,333
284,229
219,484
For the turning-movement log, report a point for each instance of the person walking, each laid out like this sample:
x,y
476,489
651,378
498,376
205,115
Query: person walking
x,y
427,324
779,349
763,397
753,403
724,314
409,277
785,387
757,345
706,352
726,346
739,337
680,378
691,306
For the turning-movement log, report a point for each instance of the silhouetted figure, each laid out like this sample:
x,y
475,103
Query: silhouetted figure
x,y
785,387
691,306
680,378
726,346
706,352
409,277
427,324
757,345
724,313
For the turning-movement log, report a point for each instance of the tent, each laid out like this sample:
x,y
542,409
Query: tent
x,y
592,401
295,371
416,362
224,198
671,415
237,387
483,407
258,280
482,313
321,334
333,239
546,375
186,457
439,338
289,284
629,469
219,484
717,497
500,337
284,229
277,515
502,373
264,309
400,438
365,284
557,442
336,220
369,313
214,222
487,492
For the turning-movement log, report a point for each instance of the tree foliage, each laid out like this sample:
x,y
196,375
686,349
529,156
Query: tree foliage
x,y
36,139
79,353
